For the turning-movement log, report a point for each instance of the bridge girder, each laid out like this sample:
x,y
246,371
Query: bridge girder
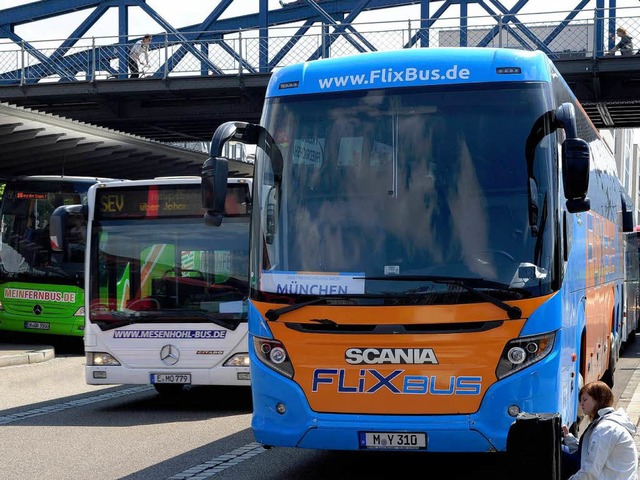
x,y
337,18
183,108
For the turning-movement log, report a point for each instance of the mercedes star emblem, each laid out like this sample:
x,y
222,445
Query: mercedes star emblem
x,y
169,354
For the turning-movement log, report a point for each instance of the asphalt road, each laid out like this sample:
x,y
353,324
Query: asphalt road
x,y
54,426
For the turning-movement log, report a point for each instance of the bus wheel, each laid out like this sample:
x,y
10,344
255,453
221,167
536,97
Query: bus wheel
x,y
168,388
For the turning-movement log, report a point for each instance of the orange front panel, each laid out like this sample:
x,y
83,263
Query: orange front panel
x,y
419,373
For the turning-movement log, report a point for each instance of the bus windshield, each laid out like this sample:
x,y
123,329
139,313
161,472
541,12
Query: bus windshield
x,y
25,249
377,192
153,265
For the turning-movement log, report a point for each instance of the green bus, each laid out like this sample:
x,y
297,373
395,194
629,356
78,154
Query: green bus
x,y
41,291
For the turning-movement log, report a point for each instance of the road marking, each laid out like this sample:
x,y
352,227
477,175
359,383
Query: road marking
x,y
15,417
218,464
632,402
630,398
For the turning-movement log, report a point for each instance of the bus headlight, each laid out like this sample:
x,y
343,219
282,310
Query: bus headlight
x,y
101,359
238,360
516,355
79,312
273,354
519,353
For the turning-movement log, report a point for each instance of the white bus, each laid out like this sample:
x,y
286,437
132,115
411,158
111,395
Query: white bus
x,y
165,294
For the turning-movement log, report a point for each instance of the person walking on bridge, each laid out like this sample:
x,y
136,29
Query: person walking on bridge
x,y
625,45
139,52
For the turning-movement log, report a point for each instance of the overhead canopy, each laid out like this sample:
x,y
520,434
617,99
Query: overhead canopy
x,y
33,143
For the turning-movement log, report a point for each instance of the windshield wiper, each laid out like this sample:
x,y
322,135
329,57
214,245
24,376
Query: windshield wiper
x,y
274,313
175,316
467,283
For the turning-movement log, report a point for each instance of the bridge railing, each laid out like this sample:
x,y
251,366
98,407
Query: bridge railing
x,y
561,34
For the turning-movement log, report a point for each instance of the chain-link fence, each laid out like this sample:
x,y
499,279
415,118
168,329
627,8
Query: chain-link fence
x,y
562,35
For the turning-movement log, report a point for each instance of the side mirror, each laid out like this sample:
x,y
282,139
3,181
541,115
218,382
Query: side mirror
x,y
214,189
215,170
576,158
575,174
58,225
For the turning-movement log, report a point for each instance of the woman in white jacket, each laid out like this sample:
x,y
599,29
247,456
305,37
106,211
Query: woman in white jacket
x,y
606,448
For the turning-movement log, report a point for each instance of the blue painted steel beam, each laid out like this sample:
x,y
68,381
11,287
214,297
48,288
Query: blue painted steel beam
x,y
612,22
46,65
45,9
123,37
77,33
290,44
263,22
167,26
34,11
426,23
183,50
338,28
336,17
561,26
424,15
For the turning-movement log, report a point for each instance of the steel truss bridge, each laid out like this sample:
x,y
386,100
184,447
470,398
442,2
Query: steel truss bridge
x,y
204,74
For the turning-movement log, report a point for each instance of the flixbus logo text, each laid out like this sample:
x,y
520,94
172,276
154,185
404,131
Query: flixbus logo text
x,y
385,76
370,380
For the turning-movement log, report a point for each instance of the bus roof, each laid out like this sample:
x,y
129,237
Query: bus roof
x,y
55,178
410,67
167,180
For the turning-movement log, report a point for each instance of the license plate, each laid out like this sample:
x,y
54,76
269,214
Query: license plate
x,y
37,325
182,378
395,440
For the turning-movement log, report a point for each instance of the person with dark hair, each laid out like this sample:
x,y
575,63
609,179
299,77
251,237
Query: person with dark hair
x,y
139,52
606,450
625,45
31,227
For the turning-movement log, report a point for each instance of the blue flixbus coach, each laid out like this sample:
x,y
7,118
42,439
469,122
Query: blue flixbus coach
x,y
436,247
